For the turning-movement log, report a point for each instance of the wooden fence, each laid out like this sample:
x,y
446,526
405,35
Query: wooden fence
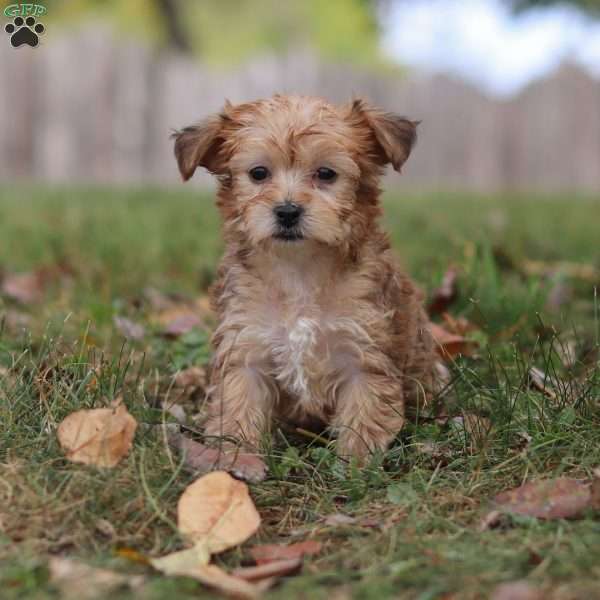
x,y
86,107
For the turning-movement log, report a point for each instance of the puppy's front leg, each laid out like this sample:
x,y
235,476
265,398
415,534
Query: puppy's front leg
x,y
240,406
369,414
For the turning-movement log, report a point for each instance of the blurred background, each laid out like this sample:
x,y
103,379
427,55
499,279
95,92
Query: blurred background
x,y
508,90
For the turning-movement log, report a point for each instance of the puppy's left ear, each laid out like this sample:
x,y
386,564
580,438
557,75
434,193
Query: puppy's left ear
x,y
395,135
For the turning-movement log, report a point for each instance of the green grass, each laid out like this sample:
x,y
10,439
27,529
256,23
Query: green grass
x,y
416,533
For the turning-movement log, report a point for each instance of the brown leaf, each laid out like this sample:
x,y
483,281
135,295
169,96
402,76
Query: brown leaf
x,y
267,553
79,581
217,511
542,382
156,299
458,325
553,387
230,585
450,345
560,498
100,436
129,329
444,295
517,590
490,520
26,288
193,562
177,320
276,568
199,459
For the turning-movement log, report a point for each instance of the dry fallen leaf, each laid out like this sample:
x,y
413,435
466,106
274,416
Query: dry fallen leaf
x,y
129,329
450,345
204,459
230,585
268,553
193,562
177,320
542,382
179,563
26,288
277,568
217,511
516,590
100,436
458,325
560,498
490,520
79,581
444,295
553,387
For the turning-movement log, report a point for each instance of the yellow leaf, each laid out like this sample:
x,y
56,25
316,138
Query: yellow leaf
x,y
100,436
217,512
228,584
182,562
193,562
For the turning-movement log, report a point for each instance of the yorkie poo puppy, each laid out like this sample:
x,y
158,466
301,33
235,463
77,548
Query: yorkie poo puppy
x,y
315,318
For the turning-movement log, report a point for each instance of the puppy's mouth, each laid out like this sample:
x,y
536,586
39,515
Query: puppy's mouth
x,y
289,234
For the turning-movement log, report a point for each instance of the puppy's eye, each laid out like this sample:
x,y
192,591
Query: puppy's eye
x,y
258,173
326,174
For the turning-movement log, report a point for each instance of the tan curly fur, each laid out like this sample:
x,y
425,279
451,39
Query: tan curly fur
x,y
326,326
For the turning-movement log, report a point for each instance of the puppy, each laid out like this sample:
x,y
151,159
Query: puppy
x,y
315,318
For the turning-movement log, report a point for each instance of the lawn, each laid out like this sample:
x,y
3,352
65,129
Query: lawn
x,y
528,267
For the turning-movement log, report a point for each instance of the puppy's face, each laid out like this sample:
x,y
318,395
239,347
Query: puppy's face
x,y
293,169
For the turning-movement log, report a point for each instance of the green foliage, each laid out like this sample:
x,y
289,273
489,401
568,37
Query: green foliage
x,y
227,32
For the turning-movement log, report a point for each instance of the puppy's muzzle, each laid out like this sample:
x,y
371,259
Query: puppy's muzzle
x,y
287,216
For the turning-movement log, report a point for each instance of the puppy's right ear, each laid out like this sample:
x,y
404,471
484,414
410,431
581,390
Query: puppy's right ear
x,y
198,146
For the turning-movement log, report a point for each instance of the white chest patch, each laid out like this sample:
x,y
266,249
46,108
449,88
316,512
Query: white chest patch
x,y
295,353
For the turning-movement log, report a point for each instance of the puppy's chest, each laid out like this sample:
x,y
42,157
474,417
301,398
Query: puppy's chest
x,y
309,338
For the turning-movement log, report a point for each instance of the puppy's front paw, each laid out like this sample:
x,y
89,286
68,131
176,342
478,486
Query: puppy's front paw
x,y
203,459
359,446
248,467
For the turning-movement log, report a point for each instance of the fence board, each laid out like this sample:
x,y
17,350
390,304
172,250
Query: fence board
x,y
88,107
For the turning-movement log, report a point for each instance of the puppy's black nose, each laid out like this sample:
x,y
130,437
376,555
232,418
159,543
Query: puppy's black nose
x,y
288,214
